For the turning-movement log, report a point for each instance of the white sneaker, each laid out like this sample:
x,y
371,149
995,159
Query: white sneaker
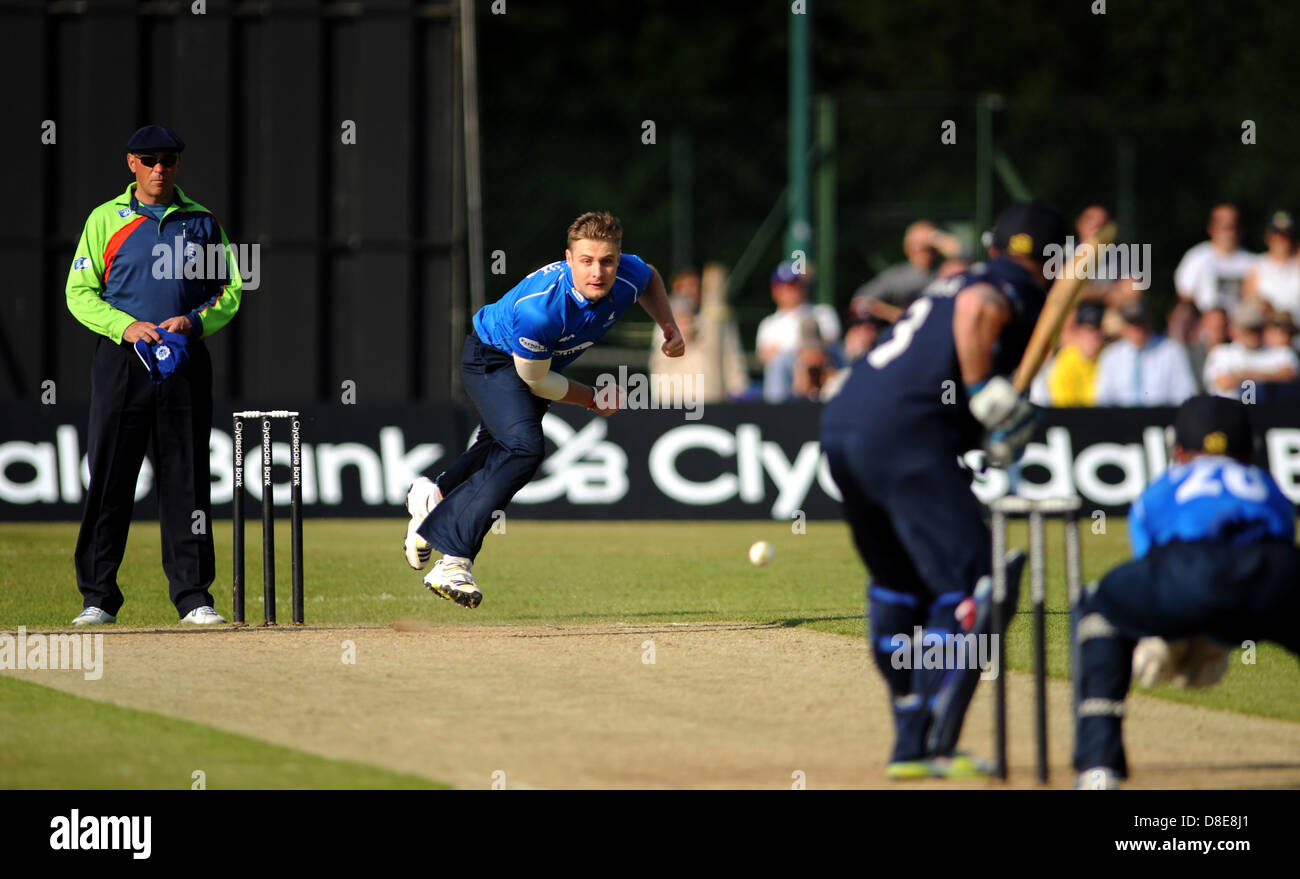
x,y
422,497
451,578
93,616
1097,778
203,616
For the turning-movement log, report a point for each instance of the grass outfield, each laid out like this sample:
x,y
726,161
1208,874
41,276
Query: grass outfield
x,y
52,740
535,573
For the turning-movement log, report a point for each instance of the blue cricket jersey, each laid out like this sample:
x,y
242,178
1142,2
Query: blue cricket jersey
x,y
544,315
1211,497
908,389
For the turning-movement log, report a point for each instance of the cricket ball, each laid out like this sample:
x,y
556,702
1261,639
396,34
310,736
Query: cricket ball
x,y
761,553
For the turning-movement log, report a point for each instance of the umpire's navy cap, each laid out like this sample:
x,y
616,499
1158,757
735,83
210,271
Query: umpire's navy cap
x,y
155,137
1216,426
1026,227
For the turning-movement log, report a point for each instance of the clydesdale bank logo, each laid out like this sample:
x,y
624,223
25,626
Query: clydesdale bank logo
x,y
77,832
38,652
754,463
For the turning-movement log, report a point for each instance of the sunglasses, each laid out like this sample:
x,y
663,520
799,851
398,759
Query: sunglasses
x,y
149,159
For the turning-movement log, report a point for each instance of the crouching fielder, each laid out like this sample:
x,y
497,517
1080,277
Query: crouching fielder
x,y
1214,564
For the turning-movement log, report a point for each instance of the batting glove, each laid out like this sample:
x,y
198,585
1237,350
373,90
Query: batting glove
x,y
1009,418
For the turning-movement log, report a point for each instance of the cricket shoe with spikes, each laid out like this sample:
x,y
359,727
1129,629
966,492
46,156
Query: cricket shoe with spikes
x,y
422,497
907,770
959,765
451,578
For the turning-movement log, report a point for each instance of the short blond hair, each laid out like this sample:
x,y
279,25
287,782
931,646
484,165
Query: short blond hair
x,y
597,226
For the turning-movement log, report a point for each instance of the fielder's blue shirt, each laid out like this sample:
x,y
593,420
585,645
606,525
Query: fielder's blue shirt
x,y
544,315
1210,497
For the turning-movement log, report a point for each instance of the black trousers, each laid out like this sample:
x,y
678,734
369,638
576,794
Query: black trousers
x,y
129,414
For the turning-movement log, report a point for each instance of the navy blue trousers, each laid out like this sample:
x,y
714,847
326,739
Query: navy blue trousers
x,y
1229,592
920,531
504,456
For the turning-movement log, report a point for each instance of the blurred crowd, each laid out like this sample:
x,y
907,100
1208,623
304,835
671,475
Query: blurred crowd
x,y
1230,331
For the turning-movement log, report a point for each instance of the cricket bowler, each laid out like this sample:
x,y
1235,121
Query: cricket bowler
x,y
512,370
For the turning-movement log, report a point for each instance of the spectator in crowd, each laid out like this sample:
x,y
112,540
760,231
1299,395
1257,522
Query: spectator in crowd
x,y
1118,296
926,246
1211,329
780,333
950,268
1279,332
1181,323
714,361
1072,375
1211,273
1090,221
685,286
1274,280
1142,368
862,330
814,370
1232,370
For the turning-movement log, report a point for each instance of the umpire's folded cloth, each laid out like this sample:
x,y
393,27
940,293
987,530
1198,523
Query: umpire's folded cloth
x,y
165,357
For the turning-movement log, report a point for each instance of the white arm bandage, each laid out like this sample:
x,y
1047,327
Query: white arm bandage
x,y
539,378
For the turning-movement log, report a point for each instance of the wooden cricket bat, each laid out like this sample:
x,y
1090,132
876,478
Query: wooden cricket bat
x,y
1056,308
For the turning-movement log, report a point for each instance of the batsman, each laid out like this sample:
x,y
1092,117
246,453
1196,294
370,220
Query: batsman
x,y
935,388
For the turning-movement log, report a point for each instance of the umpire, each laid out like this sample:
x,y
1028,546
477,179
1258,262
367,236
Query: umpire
x,y
143,273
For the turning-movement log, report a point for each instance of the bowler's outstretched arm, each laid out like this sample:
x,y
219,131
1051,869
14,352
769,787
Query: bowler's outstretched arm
x,y
655,301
